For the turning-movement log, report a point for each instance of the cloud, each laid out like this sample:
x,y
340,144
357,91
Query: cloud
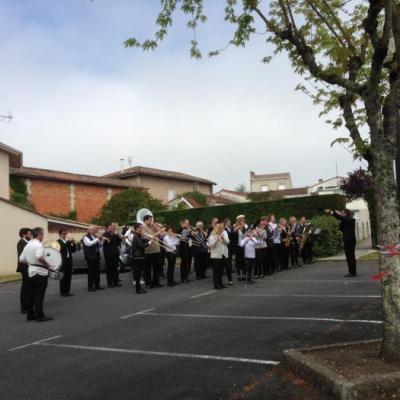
x,y
81,101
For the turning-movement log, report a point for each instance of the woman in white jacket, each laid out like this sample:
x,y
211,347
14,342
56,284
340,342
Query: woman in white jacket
x,y
218,242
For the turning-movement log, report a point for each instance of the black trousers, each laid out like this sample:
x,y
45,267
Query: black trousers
x,y
171,259
200,264
152,269
239,261
138,266
307,252
294,253
350,252
93,274
227,268
270,259
24,293
260,264
250,264
217,266
284,256
185,266
37,291
112,270
277,256
65,282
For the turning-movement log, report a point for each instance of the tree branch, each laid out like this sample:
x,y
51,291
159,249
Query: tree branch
x,y
307,55
346,102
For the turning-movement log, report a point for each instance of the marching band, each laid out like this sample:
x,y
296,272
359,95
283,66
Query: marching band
x,y
262,248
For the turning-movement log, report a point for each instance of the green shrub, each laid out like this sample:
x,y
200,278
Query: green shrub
x,y
309,207
19,193
122,207
329,242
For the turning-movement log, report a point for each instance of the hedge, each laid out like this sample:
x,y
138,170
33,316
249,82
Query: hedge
x,y
310,206
329,243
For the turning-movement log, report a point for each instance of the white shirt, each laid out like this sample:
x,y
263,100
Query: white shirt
x,y
91,242
170,243
30,255
249,246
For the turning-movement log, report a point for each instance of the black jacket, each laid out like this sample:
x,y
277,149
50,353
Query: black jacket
x,y
20,247
65,249
111,247
139,243
347,227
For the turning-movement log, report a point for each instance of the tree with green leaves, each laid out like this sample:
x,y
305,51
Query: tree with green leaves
x,y
347,53
122,207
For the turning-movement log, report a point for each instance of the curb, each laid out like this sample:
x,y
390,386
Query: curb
x,y
363,388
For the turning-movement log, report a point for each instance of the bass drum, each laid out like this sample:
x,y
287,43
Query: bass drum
x,y
53,258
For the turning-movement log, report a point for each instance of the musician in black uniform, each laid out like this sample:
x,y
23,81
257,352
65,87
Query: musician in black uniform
x,y
139,243
91,250
348,228
307,248
111,250
67,247
294,244
25,235
184,250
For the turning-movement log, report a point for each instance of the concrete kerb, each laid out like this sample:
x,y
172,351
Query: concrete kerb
x,y
324,378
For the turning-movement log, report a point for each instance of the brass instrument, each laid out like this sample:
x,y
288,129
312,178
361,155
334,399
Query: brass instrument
x,y
288,238
158,241
304,237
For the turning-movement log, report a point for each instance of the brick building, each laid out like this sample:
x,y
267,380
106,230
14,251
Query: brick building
x,y
162,184
65,194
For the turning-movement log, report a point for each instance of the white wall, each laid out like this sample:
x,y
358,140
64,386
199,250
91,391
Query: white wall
x,y
12,219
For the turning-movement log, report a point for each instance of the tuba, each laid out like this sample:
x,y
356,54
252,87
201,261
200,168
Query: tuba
x,y
142,213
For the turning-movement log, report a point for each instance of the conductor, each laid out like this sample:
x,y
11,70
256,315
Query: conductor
x,y
348,228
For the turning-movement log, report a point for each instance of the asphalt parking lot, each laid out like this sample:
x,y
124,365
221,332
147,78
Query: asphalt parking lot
x,y
184,342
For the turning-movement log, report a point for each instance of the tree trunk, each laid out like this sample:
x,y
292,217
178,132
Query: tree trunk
x,y
383,145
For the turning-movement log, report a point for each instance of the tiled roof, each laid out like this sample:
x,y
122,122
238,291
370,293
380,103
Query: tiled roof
x,y
14,154
235,192
219,199
134,171
47,174
300,190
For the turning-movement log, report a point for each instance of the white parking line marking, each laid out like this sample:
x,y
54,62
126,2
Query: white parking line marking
x,y
333,296
137,313
164,354
346,282
34,343
360,321
202,294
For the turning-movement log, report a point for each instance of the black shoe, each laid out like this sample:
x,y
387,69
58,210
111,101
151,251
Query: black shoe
x,y
157,284
91,290
171,284
118,285
44,319
141,291
218,287
111,285
223,287
100,288
31,318
350,275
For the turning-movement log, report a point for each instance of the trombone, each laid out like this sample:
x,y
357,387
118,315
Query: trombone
x,y
159,242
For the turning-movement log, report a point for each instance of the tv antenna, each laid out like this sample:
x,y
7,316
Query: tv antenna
x,y
7,117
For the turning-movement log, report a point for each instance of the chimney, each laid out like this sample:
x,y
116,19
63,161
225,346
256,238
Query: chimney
x,y
252,174
320,180
122,160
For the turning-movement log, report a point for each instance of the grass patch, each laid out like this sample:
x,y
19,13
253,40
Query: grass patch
x,y
371,256
10,278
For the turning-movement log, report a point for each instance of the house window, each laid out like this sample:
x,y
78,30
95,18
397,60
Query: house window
x,y
264,188
171,194
281,186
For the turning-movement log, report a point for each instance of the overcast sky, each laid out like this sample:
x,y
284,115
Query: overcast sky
x,y
81,101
